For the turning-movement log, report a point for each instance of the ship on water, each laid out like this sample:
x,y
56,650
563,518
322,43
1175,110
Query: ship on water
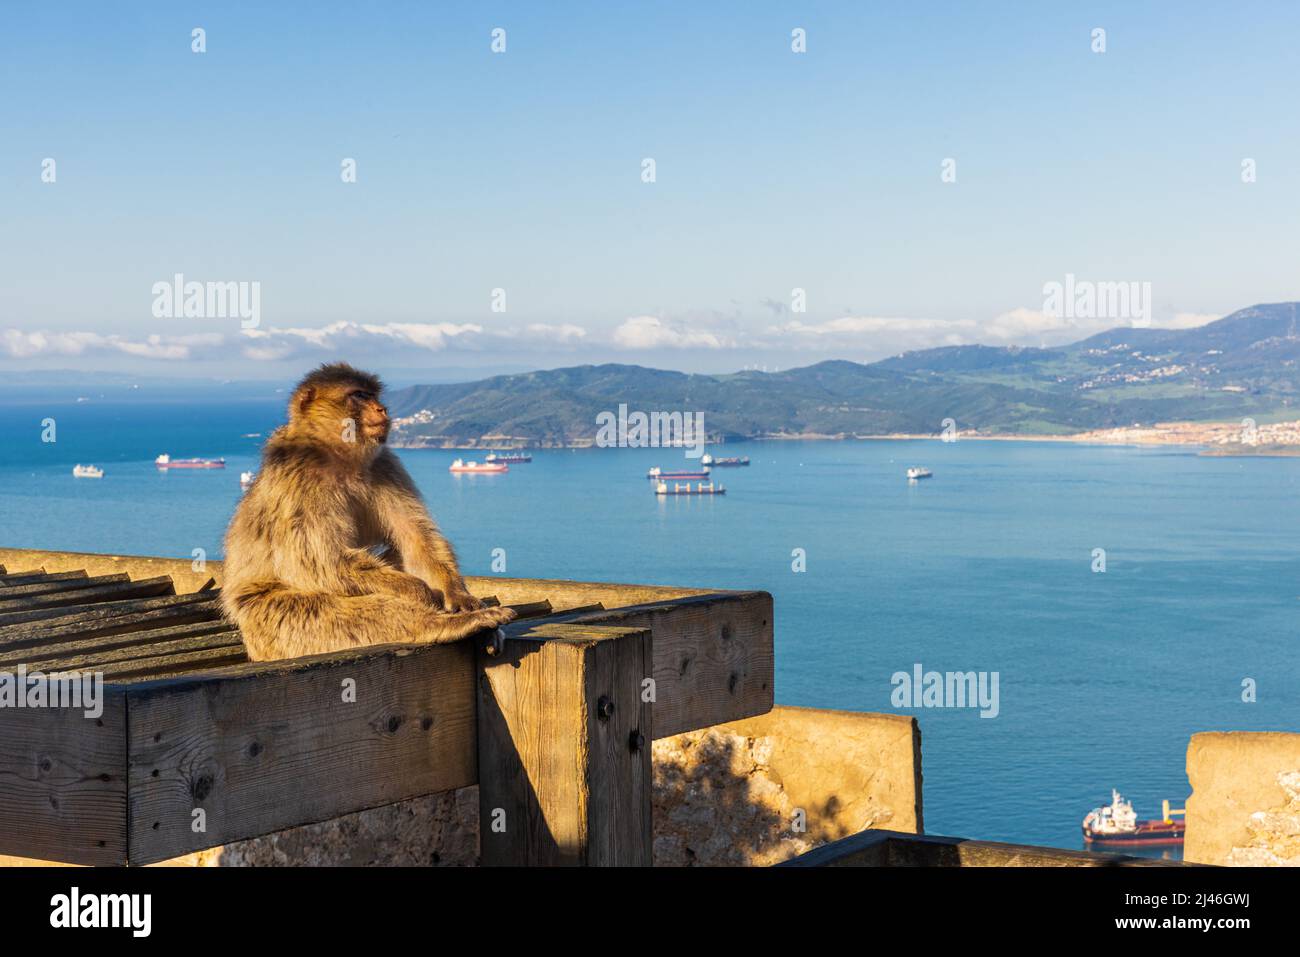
x,y
87,471
510,458
733,462
166,462
246,479
915,474
701,488
1118,824
675,474
490,468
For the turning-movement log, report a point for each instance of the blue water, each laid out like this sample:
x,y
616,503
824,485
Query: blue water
x,y
985,567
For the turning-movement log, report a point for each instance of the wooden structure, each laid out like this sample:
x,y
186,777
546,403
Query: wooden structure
x,y
880,848
197,747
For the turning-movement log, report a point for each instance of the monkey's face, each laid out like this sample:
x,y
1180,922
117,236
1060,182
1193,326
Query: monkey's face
x,y
370,415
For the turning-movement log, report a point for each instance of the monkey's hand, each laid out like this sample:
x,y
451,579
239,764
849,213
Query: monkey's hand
x,y
456,597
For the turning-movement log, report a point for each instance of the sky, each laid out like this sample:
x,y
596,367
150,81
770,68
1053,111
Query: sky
x,y
914,177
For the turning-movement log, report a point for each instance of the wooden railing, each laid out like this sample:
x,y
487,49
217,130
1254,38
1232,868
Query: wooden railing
x,y
554,730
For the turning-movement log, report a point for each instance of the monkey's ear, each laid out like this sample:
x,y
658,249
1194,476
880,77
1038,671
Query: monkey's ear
x,y
304,399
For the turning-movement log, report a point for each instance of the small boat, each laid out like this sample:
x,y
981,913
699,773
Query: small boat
x,y
1118,824
508,459
165,462
246,479
702,488
87,471
475,467
918,473
658,473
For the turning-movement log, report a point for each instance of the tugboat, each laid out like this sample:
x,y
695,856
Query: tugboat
x,y
702,488
87,471
475,467
658,473
913,474
1117,824
515,458
166,462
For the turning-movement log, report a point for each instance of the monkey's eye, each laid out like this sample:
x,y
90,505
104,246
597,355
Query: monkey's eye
x,y
360,394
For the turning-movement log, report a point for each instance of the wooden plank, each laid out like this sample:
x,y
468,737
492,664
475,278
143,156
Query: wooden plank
x,y
58,616
714,658
63,783
15,637
36,575
48,586
268,745
127,589
94,654
181,663
563,747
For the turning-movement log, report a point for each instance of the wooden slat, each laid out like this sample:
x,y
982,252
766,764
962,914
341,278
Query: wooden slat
x,y
531,609
95,653
713,656
269,745
39,583
60,616
63,783
174,665
32,636
141,589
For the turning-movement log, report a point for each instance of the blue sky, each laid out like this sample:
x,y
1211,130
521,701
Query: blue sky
x,y
522,171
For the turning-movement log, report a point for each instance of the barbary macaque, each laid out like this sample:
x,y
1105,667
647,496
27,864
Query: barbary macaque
x,y
332,548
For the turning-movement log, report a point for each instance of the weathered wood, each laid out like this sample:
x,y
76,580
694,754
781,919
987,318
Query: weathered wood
x,y
59,616
63,783
126,589
881,848
713,656
268,745
94,653
50,586
17,641
563,747
37,575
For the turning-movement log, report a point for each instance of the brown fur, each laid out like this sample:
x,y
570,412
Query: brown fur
x,y
331,547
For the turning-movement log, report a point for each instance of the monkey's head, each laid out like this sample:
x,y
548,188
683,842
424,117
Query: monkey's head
x,y
340,404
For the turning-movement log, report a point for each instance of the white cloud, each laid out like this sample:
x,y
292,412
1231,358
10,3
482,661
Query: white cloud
x,y
1187,320
651,332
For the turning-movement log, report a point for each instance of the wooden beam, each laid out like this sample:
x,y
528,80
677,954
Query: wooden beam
x,y
713,656
564,747
269,745
63,783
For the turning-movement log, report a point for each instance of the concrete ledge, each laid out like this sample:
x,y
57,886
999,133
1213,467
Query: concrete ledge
x,y
1245,803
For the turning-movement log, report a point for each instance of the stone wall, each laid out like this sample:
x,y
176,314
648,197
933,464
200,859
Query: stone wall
x,y
1245,803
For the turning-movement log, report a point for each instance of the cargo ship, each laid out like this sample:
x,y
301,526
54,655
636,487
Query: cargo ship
x,y
1118,824
728,463
165,461
702,488
509,459
913,474
674,474
490,468
87,471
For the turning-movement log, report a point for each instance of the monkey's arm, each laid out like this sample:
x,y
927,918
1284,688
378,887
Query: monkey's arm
x,y
425,553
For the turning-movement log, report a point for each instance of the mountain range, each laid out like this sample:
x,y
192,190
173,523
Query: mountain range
x,y
1244,364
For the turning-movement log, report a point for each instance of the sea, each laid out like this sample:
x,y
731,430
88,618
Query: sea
x,y
1124,598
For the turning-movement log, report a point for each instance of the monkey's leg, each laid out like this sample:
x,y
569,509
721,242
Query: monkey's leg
x,y
282,622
